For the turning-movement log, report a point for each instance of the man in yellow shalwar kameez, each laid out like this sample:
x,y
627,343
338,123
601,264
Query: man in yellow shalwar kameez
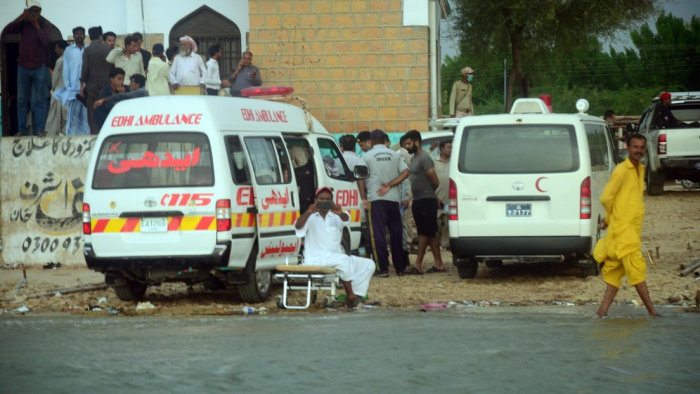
x,y
620,250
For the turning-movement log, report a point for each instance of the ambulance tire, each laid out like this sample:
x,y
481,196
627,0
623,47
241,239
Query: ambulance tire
x,y
345,243
214,284
258,287
130,291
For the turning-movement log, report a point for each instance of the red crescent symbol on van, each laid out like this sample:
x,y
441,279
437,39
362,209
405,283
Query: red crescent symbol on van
x,y
537,184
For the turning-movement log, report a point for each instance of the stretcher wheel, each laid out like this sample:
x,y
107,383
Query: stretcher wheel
x,y
280,304
328,302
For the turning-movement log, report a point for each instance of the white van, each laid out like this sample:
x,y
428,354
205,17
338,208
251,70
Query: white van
x,y
527,186
206,189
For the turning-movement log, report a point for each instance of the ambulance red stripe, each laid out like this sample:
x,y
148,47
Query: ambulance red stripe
x,y
100,225
204,223
130,225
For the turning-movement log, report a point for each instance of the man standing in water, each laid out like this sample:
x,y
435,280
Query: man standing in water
x,y
620,249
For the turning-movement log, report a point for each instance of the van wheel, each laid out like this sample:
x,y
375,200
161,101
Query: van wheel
x,y
214,284
655,183
467,270
130,291
258,287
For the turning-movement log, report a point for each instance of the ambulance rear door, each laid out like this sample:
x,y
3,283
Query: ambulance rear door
x,y
340,179
276,197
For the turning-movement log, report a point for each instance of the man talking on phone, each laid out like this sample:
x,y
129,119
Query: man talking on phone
x,y
322,225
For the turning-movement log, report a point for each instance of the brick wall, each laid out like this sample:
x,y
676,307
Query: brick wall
x,y
352,60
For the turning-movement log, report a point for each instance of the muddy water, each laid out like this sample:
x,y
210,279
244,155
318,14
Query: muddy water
x,y
512,350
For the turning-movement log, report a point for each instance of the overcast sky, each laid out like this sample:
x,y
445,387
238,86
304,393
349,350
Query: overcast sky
x,y
679,8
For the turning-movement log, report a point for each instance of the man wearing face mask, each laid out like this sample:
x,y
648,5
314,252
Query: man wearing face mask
x,y
461,97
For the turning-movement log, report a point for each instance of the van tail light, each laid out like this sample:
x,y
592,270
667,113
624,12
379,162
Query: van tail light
x,y
452,200
586,198
661,146
223,215
87,230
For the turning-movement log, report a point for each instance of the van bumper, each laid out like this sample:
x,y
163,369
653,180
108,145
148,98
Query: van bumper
x,y
218,258
519,246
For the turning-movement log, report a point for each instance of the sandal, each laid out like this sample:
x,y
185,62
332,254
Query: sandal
x,y
412,270
434,270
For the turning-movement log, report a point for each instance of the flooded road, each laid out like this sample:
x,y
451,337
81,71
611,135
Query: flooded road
x,y
499,350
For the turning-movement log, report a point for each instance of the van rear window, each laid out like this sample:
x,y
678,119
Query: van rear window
x,y
531,149
154,160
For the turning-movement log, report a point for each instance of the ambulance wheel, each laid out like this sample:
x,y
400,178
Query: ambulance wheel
x,y
280,304
130,291
590,270
345,243
214,284
258,287
467,270
494,263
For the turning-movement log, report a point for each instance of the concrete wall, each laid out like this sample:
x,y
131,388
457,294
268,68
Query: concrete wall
x,y
42,185
355,61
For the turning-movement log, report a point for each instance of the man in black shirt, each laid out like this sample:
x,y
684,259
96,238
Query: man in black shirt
x,y
668,121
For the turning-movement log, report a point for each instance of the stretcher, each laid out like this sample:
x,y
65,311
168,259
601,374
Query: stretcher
x,y
309,278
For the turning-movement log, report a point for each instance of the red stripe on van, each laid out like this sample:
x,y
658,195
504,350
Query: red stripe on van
x,y
204,223
130,225
174,224
100,225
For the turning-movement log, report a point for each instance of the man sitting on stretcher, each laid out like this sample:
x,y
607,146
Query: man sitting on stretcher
x,y
322,225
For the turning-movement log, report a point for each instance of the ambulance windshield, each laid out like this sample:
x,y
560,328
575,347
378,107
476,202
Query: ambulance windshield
x,y
154,160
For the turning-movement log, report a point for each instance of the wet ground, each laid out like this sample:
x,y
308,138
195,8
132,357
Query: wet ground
x,y
471,350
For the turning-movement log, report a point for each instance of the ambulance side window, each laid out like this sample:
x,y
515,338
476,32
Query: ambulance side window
x,y
238,162
333,161
269,160
598,146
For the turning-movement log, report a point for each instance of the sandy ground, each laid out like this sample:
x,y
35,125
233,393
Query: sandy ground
x,y
672,224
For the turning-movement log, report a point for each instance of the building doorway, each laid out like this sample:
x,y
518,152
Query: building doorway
x,y
208,27
9,52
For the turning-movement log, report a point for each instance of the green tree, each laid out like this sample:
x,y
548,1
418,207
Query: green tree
x,y
528,30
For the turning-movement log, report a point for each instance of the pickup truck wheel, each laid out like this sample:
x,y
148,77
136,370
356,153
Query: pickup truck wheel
x,y
258,287
468,269
130,291
655,183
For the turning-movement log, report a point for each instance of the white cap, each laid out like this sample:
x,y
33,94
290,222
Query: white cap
x,y
33,3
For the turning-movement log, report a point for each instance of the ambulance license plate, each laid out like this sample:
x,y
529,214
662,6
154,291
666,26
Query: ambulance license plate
x,y
518,210
154,225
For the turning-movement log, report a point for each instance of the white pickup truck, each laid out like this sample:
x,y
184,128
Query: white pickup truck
x,y
673,153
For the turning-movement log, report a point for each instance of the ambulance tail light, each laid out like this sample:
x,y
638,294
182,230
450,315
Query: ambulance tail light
x,y
586,198
452,200
661,146
267,91
87,230
223,215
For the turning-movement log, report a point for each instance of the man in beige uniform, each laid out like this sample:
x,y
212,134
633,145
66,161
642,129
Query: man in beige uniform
x,y
461,97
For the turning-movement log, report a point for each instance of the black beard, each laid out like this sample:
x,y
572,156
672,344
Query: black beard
x,y
412,150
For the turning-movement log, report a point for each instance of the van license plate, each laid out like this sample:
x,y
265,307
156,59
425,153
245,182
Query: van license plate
x,y
517,210
154,225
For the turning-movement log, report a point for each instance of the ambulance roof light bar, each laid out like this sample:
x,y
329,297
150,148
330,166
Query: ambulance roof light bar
x,y
267,91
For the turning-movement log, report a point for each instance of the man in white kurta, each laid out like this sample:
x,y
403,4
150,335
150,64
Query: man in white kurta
x,y
188,68
77,122
323,232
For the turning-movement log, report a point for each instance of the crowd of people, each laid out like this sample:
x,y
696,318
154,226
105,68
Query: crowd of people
x,y
74,98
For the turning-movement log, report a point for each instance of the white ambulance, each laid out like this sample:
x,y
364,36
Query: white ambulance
x,y
526,186
207,189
